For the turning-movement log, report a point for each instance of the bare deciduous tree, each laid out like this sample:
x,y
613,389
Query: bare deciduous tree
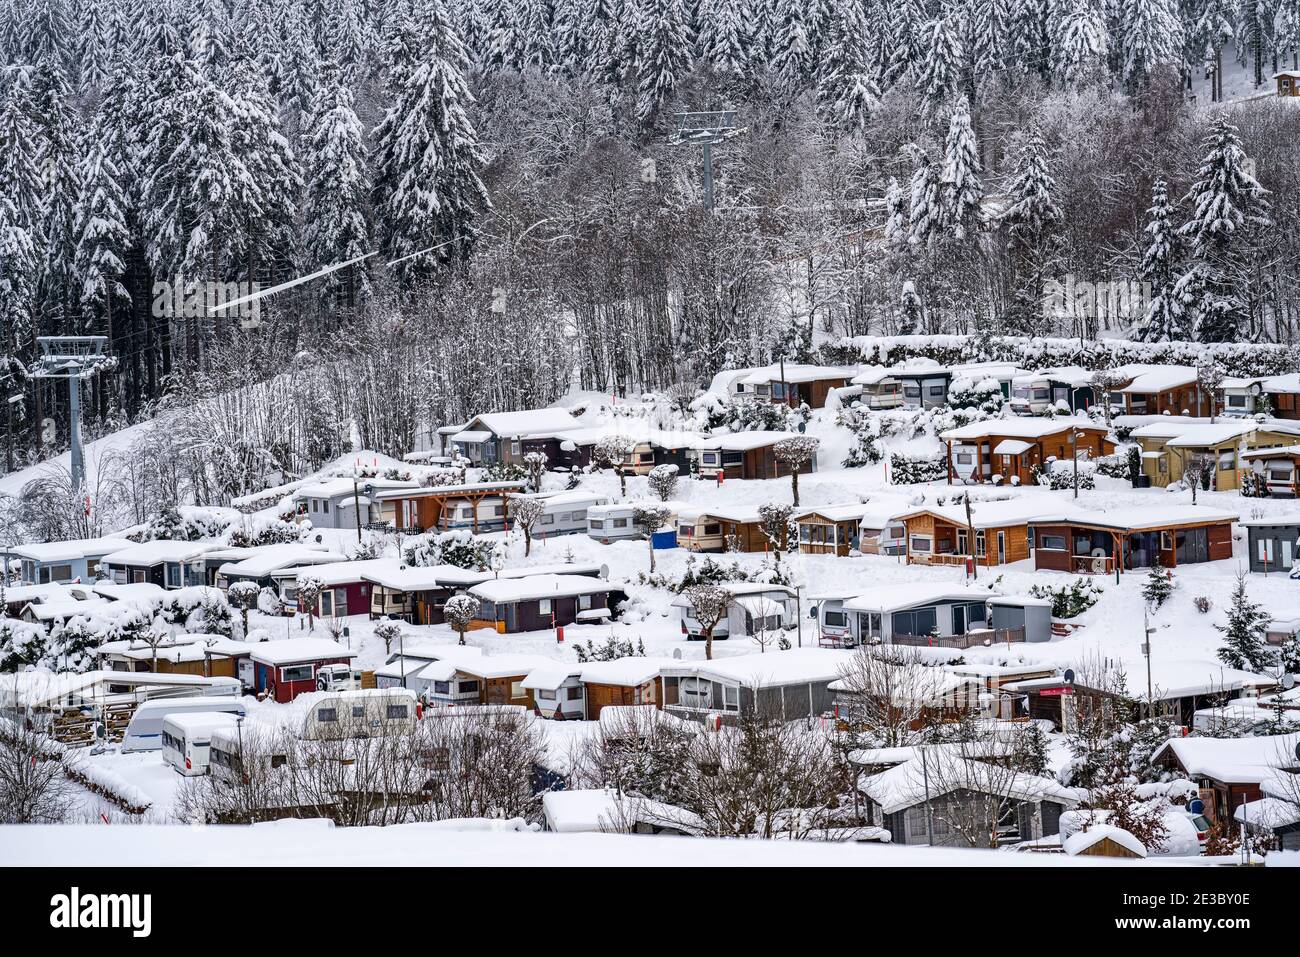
x,y
794,453
709,604
525,513
459,611
650,519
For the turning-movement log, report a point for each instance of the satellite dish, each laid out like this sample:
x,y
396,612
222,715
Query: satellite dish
x,y
1288,681
604,571
1069,676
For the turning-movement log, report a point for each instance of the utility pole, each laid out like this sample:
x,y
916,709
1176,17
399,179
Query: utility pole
x,y
929,816
1146,651
706,130
970,542
73,358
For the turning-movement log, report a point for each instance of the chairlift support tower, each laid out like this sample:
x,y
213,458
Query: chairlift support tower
x,y
73,358
707,130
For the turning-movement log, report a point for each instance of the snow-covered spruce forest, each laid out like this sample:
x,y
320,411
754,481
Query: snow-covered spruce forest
x,y
904,166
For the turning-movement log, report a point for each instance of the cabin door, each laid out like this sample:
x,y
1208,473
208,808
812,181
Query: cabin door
x,y
1002,548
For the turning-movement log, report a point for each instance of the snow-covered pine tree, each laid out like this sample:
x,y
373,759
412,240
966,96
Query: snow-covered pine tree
x,y
1151,34
1227,206
1081,43
1029,38
988,32
1158,586
1244,646
45,32
102,238
663,55
725,40
335,201
939,71
58,133
427,157
908,41
1032,223
895,213
848,90
960,177
20,181
925,205
792,53
94,43
1160,265
17,273
1210,30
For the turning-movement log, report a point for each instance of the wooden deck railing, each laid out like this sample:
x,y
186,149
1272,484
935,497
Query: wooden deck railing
x,y
971,639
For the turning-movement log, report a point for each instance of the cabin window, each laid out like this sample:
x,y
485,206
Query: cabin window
x,y
548,519
1279,475
467,687
487,611
544,606
762,390
965,458
980,547
731,698
584,602
517,690
836,619
442,687
326,604
325,506
1166,541
870,625
315,505
620,523
1041,395
912,391
936,391
396,711
297,673
1236,401
1266,550
327,715
1052,543
920,543
709,458
58,573
921,621
1227,461
695,692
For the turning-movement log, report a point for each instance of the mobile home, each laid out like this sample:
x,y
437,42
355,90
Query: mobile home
x,y
1067,388
187,738
754,606
144,733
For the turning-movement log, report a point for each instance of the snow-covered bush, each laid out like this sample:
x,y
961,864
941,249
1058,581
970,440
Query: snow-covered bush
x,y
662,480
459,611
1069,601
458,547
1059,475
864,450
612,649
915,469
984,395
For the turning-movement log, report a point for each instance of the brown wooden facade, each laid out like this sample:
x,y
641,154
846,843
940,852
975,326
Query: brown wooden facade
x,y
1189,397
426,508
713,533
951,542
821,535
601,696
1092,443
1094,549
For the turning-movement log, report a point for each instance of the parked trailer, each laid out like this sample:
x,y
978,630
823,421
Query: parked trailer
x,y
368,713
187,739
144,733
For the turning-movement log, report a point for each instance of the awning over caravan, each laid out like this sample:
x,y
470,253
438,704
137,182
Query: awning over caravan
x,y
471,436
1012,447
1153,455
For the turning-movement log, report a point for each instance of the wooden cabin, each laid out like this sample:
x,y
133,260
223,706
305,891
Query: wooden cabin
x,y
431,509
1271,543
831,529
1282,395
1169,446
791,684
623,681
721,530
1104,840
791,384
208,656
1009,450
1232,769
1288,82
509,436
746,455
541,602
287,668
942,534
1095,542
1155,390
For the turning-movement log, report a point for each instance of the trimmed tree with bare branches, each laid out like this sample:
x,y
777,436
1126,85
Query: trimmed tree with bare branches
x,y
662,480
709,603
612,452
525,513
650,520
459,611
794,453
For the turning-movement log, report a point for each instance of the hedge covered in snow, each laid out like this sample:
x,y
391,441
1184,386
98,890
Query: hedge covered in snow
x,y
1236,358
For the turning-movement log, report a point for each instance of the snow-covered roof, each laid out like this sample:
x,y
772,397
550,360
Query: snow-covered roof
x,y
538,586
1156,515
1151,379
987,370
1076,377
896,597
1181,435
744,514
550,677
769,669
333,488
1021,427
838,513
556,501
198,722
157,552
1233,760
793,372
741,588
1285,451
600,809
607,509
146,592
745,441
289,650
1289,383
31,689
629,671
67,551
947,769
1280,520
871,375
341,573
448,490
1080,842
999,514
1267,812
278,557
524,423
498,666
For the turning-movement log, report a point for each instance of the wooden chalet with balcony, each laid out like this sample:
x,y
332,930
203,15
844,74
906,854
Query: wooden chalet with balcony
x,y
1010,450
995,533
434,508
1096,542
1155,390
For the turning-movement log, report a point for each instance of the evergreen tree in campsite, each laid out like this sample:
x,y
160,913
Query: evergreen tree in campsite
x,y
1164,318
1151,34
940,68
724,40
57,159
1081,43
1244,646
925,206
334,210
1032,223
848,90
1158,586
663,51
427,158
17,273
102,238
962,189
1227,206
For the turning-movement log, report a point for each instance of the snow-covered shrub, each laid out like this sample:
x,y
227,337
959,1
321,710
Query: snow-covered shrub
x,y
268,602
612,649
1253,485
504,472
984,395
21,644
1113,466
662,480
1069,601
183,525
265,531
915,469
864,450
388,632
1059,475
458,547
